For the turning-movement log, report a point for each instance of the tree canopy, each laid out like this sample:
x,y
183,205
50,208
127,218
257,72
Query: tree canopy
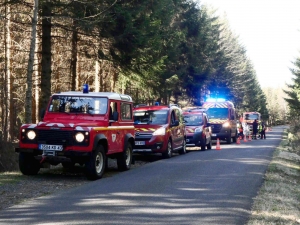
x,y
160,50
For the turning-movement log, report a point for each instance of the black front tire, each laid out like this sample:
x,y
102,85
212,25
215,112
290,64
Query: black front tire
x,y
124,161
183,150
168,153
28,164
209,145
96,164
228,139
234,138
203,144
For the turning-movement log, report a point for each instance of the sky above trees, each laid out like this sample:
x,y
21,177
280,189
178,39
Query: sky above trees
x,y
269,30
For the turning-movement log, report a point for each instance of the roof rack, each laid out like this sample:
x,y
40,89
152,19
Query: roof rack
x,y
140,105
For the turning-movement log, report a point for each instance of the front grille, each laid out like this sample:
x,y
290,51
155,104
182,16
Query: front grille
x,y
216,128
143,138
57,137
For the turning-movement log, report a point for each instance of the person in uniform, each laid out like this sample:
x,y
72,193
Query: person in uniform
x,y
255,129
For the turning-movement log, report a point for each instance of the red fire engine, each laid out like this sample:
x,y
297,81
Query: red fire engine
x,y
79,127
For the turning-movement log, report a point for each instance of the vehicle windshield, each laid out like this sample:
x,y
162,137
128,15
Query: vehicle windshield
x,y
192,120
252,117
217,113
151,117
75,104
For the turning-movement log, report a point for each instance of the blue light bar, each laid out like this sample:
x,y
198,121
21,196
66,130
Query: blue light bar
x,y
85,88
215,100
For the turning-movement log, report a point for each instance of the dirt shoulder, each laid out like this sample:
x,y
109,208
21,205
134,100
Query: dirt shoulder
x,y
16,188
278,201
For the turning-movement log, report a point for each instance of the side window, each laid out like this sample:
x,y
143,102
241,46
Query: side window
x,y
205,120
177,114
173,117
112,108
232,116
126,112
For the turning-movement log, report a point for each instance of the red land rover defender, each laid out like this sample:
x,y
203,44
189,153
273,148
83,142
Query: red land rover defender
x,y
80,127
159,129
197,127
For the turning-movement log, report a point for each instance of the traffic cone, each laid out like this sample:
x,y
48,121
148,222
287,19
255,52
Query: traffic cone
x,y
218,147
238,140
245,138
249,139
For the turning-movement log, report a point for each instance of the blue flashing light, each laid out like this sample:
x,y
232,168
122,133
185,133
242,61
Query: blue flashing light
x,y
215,100
156,103
85,88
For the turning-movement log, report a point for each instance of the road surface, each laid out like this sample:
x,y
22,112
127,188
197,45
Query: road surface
x,y
200,187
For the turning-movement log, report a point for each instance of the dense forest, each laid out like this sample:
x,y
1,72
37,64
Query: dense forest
x,y
157,50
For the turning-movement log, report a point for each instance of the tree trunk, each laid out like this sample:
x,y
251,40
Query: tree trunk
x,y
97,87
46,55
74,57
7,78
28,99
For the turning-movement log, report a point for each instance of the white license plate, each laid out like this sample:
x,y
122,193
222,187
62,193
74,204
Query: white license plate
x,y
214,135
139,143
50,147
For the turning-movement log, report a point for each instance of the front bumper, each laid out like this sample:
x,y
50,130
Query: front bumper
x,y
56,156
194,140
153,144
222,134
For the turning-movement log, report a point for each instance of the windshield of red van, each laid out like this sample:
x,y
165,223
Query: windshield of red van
x,y
252,117
76,104
217,113
151,117
192,120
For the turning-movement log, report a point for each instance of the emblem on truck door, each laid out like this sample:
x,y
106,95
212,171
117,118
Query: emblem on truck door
x,y
113,137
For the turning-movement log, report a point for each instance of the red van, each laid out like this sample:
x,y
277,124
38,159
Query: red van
x,y
197,127
159,129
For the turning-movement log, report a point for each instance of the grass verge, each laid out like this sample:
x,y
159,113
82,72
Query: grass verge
x,y
278,201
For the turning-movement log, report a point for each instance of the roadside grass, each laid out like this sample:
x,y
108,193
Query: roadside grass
x,y
278,201
10,177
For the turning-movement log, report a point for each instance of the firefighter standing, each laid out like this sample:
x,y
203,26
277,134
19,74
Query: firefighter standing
x,y
255,126
241,132
263,131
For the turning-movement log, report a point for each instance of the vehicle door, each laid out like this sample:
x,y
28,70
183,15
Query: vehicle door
x,y
233,121
207,128
175,129
114,136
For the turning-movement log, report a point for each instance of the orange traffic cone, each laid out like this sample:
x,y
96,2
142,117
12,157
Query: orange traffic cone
x,y
218,147
249,139
245,138
238,141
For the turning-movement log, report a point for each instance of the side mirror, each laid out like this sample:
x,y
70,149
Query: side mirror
x,y
176,123
42,114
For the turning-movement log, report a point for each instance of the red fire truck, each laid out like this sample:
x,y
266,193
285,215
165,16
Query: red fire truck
x,y
79,127
249,117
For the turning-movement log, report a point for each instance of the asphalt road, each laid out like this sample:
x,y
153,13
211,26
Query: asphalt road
x,y
210,187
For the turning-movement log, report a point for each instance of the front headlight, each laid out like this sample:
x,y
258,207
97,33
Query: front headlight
x,y
160,131
31,134
198,129
226,124
79,137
